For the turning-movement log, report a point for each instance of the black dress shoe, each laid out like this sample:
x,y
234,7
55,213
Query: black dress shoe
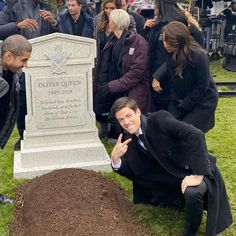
x,y
5,199
17,145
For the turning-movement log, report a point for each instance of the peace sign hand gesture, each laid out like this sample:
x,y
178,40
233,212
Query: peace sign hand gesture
x,y
119,149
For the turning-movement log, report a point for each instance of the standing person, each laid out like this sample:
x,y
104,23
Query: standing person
x,y
165,11
168,163
230,14
61,7
122,69
15,52
139,20
194,96
103,32
75,21
24,17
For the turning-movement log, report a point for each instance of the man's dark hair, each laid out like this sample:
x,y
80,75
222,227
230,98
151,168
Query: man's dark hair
x,y
82,2
122,103
16,44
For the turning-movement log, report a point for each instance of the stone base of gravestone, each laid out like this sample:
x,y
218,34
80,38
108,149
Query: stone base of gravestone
x,y
60,123
29,163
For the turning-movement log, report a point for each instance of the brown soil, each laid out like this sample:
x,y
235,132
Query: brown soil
x,y
74,202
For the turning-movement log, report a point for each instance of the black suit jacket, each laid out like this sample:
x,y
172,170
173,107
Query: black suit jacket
x,y
180,150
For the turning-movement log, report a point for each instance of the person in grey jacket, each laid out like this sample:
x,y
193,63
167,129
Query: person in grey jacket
x,y
15,51
25,17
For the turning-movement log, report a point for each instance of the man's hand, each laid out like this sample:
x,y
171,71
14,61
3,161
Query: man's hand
x,y
29,24
156,86
120,149
191,180
47,16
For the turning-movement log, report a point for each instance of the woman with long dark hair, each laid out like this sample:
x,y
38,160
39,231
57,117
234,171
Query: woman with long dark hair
x,y
166,11
193,94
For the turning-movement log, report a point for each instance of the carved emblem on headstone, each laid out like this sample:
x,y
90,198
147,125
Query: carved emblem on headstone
x,y
58,60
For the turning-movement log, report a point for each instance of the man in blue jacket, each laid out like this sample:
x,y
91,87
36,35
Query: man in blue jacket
x,y
76,21
15,52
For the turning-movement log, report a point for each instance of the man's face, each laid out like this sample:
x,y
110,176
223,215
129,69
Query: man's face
x,y
16,63
60,3
73,7
129,119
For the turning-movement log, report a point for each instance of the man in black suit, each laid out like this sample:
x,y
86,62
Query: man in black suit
x,y
168,162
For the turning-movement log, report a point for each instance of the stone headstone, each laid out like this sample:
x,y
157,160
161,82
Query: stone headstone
x,y
60,123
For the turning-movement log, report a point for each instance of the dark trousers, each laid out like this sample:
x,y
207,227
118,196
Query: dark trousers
x,y
115,128
22,113
194,199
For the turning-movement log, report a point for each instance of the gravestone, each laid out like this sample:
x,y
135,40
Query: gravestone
x,y
60,123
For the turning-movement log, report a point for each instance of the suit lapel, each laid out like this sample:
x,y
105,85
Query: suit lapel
x,y
144,129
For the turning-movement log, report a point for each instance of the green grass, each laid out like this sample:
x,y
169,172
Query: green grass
x,y
162,222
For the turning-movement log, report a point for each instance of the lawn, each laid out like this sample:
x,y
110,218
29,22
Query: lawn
x,y
162,222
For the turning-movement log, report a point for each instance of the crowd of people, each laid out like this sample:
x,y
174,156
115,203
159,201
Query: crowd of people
x,y
148,65
132,59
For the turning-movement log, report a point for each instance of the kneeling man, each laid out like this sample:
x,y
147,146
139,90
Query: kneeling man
x,y
168,162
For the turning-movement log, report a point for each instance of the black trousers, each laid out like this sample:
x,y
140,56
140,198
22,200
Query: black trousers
x,y
194,205
193,200
22,106
22,113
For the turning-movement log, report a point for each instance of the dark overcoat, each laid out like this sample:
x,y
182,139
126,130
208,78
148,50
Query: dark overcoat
x,y
158,56
64,24
180,150
194,97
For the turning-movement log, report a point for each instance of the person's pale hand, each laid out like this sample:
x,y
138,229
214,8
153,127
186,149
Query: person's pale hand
x,y
191,180
29,24
150,23
156,86
120,148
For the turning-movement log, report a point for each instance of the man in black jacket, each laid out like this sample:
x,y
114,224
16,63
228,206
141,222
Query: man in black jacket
x,y
75,21
168,162
15,52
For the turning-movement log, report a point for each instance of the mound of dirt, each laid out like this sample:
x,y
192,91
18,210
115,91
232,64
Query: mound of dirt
x,y
74,202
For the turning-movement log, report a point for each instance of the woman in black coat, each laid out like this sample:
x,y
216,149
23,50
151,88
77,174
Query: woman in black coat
x,y
194,95
166,11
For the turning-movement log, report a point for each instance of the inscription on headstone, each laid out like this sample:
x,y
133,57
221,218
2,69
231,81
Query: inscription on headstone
x,y
59,102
